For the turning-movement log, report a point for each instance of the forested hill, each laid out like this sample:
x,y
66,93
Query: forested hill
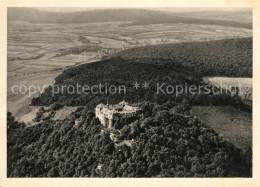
x,y
136,16
165,145
177,64
229,57
167,141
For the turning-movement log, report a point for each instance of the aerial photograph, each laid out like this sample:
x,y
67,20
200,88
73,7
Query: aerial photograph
x,y
129,92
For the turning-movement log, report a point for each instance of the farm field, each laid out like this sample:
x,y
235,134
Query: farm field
x,y
232,81
18,103
157,73
37,53
245,85
28,118
64,112
234,125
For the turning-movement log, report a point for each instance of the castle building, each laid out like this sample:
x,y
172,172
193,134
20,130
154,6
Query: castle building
x,y
107,113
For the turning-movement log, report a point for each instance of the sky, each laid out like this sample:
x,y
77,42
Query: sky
x,y
77,9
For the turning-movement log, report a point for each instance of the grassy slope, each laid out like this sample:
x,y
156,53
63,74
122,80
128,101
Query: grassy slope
x,y
234,125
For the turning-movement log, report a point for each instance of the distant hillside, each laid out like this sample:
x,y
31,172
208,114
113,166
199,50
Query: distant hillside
x,y
137,16
235,14
230,57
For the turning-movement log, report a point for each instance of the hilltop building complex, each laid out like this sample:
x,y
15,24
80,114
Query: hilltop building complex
x,y
108,113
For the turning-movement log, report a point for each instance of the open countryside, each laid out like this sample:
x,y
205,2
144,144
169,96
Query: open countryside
x,y
140,133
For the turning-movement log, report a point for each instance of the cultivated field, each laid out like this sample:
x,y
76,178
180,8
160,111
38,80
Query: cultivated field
x,y
229,81
245,85
37,53
234,125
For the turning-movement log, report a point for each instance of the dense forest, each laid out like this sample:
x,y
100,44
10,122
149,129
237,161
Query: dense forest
x,y
229,57
173,64
166,142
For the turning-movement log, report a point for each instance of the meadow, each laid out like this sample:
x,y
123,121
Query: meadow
x,y
235,126
189,135
244,85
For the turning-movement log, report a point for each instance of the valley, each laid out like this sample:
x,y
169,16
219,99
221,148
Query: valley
x,y
138,132
37,53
